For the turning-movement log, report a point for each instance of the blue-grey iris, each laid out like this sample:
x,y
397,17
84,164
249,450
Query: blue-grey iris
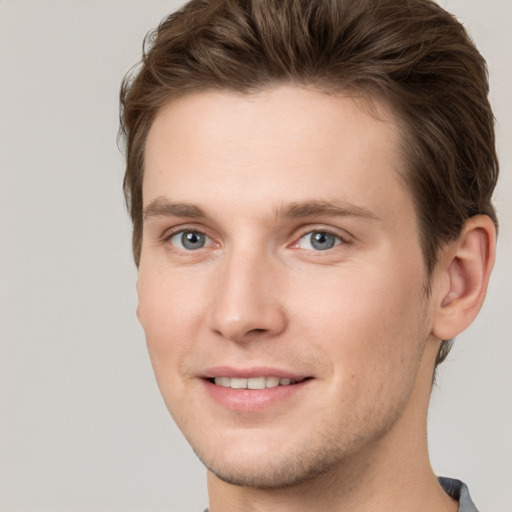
x,y
192,240
322,241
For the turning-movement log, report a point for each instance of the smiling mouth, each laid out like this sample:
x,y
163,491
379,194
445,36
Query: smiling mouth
x,y
254,382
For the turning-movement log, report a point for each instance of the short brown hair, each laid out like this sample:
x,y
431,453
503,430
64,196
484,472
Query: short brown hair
x,y
410,53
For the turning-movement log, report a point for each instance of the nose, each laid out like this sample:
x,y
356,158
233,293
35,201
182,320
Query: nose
x,y
246,303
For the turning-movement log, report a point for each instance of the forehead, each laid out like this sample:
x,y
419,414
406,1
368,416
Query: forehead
x,y
286,144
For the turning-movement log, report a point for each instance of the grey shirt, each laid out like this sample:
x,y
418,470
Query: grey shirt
x,y
457,490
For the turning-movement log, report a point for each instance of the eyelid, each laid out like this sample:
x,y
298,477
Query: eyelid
x,y
176,230
343,235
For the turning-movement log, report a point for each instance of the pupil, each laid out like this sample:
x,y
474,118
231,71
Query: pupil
x,y
322,241
192,240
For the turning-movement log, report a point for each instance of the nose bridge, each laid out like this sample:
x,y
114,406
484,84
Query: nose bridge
x,y
246,302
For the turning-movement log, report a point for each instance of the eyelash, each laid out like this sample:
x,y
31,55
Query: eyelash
x,y
181,231
339,240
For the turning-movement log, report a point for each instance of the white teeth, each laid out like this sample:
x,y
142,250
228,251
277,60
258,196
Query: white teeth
x,y
272,382
238,383
256,383
223,381
253,382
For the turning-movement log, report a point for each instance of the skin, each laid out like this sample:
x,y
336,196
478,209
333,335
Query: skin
x,y
256,175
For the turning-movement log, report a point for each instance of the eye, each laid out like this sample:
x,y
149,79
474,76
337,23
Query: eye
x,y
318,241
189,240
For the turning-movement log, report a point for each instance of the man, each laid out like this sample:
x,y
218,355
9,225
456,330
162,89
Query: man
x,y
310,188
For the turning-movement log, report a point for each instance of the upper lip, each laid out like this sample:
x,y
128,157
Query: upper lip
x,y
247,373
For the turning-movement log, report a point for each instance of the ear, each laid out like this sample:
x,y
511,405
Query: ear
x,y
461,277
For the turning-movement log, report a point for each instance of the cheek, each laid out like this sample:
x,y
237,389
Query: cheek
x,y
169,310
167,299
368,324
362,299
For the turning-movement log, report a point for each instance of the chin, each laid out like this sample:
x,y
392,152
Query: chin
x,y
273,469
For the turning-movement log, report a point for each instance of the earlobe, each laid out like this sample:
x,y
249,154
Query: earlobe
x,y
465,268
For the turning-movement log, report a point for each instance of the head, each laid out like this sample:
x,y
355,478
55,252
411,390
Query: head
x,y
412,55
408,91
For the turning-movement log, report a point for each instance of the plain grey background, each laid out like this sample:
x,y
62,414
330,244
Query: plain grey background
x,y
83,427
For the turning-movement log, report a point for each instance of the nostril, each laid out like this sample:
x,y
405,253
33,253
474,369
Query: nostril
x,y
256,331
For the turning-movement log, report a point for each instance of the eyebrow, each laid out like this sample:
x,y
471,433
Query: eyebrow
x,y
328,208
162,207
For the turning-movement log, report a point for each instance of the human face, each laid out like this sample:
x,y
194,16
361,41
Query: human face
x,y
280,243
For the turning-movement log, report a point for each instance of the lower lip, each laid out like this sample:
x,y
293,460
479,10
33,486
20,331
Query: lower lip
x,y
252,400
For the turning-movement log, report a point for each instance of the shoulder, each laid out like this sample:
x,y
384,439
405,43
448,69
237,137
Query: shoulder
x,y
458,490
